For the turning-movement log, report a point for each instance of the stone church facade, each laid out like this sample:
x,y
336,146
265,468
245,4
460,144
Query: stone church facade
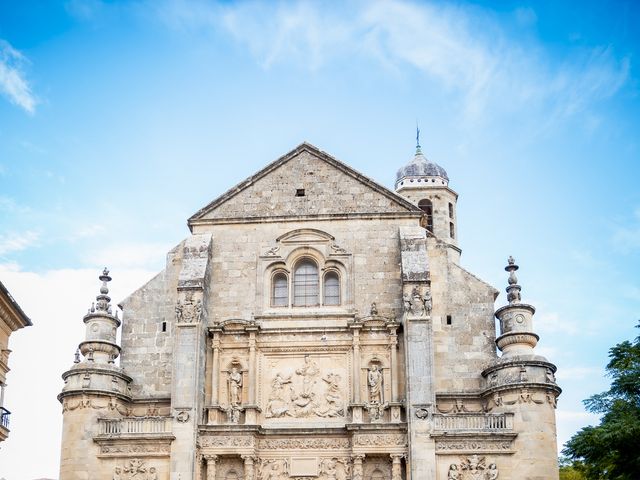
x,y
314,325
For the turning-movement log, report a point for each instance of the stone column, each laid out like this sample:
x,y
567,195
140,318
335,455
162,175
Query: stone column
x,y
252,367
396,466
356,364
249,468
393,348
358,473
211,466
215,368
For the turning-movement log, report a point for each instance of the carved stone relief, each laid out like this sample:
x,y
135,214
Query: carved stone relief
x,y
418,304
135,469
304,443
306,391
470,445
189,310
473,468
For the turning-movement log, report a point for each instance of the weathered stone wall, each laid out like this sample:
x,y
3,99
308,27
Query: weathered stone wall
x,y
326,191
466,346
146,348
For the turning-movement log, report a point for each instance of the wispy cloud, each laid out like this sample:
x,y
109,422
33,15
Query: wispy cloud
x,y
464,48
13,82
15,242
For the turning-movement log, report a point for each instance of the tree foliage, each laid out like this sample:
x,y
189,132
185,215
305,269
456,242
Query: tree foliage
x,y
611,450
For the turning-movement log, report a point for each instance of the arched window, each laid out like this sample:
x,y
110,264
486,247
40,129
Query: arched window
x,y
280,290
305,284
331,289
427,207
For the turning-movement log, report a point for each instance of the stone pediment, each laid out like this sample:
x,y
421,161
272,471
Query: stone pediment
x,y
304,236
306,183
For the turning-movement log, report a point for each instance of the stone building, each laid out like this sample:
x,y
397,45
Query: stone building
x,y
12,318
314,325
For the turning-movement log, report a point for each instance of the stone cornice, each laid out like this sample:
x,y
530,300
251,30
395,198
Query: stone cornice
x,y
10,312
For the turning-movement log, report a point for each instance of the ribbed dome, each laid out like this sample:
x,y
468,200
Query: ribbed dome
x,y
420,166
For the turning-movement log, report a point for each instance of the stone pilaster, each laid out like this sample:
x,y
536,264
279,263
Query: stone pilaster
x,y
418,335
211,466
189,353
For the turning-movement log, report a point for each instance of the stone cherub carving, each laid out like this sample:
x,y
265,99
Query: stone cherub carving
x,y
453,473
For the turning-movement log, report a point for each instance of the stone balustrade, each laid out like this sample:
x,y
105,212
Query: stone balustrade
x,y
473,422
134,426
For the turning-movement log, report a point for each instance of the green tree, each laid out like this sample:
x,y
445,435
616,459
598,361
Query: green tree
x,y
571,470
611,450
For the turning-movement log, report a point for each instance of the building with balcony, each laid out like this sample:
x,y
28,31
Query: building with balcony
x,y
12,318
313,325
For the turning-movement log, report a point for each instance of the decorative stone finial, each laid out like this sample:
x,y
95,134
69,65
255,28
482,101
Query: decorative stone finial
x,y
76,358
102,300
513,290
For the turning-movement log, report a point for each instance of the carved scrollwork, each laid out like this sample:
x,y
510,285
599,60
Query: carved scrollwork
x,y
135,469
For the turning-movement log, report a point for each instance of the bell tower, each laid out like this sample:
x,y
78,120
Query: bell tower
x,y
426,184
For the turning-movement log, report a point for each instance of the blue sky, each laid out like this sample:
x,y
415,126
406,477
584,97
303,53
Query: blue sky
x,y
118,120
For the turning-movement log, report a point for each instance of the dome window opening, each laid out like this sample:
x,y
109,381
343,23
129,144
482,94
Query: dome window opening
x,y
427,207
300,192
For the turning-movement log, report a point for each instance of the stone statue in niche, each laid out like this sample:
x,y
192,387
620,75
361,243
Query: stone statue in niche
x,y
374,381
280,397
374,310
235,387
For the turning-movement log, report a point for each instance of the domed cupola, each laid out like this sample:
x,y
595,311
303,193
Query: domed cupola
x,y
421,170
426,184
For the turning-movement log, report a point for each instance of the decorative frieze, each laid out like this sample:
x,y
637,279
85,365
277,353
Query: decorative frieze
x,y
384,439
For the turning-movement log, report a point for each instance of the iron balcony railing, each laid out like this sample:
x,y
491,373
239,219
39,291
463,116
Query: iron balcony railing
x,y
472,422
134,426
4,417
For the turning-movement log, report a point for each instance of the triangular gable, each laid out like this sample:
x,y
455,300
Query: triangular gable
x,y
331,188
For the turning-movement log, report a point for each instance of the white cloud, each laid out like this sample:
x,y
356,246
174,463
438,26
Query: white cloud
x,y
463,48
129,255
13,83
15,242
55,301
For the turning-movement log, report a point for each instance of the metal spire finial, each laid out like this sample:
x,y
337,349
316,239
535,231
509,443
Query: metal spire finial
x,y
418,149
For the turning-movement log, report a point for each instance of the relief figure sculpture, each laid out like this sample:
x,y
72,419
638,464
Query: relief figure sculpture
x,y
333,398
279,398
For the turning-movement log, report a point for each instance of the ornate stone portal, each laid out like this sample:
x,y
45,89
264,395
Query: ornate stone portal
x,y
311,328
